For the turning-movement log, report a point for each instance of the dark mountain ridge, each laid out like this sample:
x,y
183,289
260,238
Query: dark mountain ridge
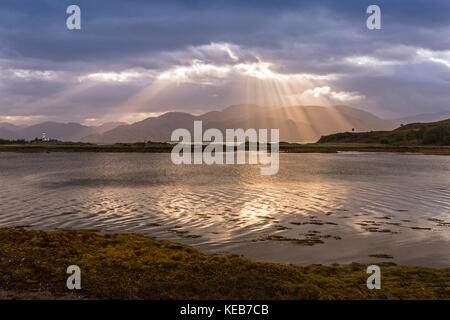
x,y
296,124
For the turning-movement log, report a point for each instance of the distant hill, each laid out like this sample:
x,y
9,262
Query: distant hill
x,y
434,133
7,134
424,117
296,124
9,126
108,126
54,130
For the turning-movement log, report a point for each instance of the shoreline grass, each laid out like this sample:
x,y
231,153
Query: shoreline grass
x,y
166,148
132,266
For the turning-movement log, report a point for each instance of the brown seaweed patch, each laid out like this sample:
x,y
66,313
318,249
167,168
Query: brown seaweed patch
x,y
281,228
316,222
376,229
381,256
444,224
393,223
266,217
184,234
384,217
303,242
153,224
440,222
315,235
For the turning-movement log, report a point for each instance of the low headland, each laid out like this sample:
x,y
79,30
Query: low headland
x,y
33,265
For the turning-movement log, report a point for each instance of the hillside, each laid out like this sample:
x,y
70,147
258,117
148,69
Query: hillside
x,y
55,130
434,133
7,134
424,117
296,124
10,127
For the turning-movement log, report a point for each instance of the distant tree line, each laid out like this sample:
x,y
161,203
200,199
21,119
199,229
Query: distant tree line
x,y
21,141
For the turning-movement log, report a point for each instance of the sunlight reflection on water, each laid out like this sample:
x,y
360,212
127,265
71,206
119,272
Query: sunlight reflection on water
x,y
353,205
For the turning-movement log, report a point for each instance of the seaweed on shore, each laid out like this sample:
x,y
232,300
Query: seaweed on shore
x,y
381,256
308,241
184,234
132,266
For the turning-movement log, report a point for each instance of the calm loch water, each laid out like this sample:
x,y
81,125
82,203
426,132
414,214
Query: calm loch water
x,y
319,208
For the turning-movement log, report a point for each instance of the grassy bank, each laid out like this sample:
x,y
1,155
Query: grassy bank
x,y
361,147
130,266
42,147
284,147
432,133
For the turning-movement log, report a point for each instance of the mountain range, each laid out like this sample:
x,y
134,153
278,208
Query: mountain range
x,y
296,124
54,130
424,117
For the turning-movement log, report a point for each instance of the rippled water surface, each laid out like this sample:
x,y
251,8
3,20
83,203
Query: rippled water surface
x,y
319,208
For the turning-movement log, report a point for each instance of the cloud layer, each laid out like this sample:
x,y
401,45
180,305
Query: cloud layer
x,y
138,58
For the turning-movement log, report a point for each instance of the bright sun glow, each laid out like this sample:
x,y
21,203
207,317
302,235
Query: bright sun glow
x,y
195,70
442,57
253,82
260,70
111,76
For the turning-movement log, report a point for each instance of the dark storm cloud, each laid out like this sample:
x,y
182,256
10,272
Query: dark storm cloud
x,y
119,31
296,36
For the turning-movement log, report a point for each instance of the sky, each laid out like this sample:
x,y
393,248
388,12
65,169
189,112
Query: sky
x,y
135,59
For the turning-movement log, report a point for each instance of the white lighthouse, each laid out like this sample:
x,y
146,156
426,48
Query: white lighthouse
x,y
44,137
